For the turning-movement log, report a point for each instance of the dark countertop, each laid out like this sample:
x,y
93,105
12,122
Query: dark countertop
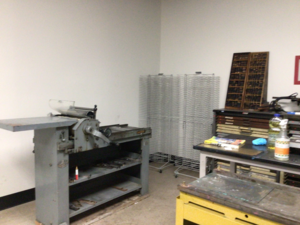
x,y
268,156
246,111
252,152
251,113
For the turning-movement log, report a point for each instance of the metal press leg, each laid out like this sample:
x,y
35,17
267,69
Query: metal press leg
x,y
145,166
52,178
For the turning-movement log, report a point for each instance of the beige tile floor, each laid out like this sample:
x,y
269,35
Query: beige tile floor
x,y
157,209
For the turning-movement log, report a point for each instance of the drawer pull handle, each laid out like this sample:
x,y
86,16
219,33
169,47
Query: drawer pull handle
x,y
245,221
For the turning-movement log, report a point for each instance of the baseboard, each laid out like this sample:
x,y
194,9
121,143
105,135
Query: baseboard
x,y
15,199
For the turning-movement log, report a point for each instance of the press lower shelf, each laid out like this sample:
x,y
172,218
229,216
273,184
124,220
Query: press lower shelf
x,y
95,172
103,195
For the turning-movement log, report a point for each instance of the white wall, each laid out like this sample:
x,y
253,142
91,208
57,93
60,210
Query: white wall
x,y
93,52
88,51
202,35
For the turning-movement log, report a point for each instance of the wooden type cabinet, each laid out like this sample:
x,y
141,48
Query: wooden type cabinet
x,y
253,124
247,87
256,125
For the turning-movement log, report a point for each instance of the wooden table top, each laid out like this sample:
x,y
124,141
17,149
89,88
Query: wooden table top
x,y
272,201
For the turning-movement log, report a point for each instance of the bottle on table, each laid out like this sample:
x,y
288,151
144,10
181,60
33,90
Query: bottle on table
x,y
274,130
282,143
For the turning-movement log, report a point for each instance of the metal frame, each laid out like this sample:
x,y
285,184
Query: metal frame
x,y
163,158
296,77
186,164
177,126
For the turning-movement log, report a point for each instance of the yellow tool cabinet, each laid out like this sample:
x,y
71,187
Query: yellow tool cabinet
x,y
204,212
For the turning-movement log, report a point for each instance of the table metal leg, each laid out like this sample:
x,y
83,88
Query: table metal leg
x,y
203,162
232,167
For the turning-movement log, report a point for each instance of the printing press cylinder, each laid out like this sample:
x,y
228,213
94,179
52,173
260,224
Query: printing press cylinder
x,y
87,136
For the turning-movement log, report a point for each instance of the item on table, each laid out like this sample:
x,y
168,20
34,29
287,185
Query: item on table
x,y
259,141
225,142
282,144
273,130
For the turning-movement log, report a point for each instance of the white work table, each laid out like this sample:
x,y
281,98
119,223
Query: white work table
x,y
248,154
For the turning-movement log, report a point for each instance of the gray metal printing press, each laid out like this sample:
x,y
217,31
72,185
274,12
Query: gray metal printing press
x,y
112,161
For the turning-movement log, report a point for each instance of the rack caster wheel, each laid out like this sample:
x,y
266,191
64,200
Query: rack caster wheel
x,y
175,175
160,171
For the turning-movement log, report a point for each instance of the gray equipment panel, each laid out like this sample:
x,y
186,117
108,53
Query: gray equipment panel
x,y
84,135
36,123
